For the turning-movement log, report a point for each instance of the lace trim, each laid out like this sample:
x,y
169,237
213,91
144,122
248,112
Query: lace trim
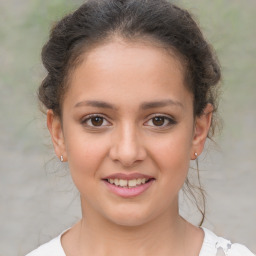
x,y
223,249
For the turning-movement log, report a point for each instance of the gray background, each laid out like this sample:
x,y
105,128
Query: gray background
x,y
37,197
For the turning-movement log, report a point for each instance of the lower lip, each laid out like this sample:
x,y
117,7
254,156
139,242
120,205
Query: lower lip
x,y
129,192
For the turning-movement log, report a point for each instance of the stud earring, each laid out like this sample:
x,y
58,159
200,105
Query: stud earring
x,y
196,155
61,158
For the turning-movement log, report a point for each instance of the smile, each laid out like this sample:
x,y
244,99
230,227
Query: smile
x,y
128,185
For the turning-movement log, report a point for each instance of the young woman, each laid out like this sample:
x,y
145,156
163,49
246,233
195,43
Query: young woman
x,y
131,99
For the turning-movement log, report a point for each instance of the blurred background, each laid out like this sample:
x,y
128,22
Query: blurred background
x,y
37,197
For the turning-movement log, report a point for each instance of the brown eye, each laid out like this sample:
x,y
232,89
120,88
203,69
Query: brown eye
x,y
97,121
158,120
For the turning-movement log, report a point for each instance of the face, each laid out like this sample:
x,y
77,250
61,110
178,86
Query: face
x,y
128,132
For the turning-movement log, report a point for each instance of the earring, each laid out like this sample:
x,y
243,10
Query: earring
x,y
61,158
196,155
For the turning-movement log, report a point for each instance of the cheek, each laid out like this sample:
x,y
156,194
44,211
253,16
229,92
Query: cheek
x,y
172,155
172,149
85,155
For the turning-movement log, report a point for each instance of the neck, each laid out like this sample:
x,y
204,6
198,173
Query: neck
x,y
162,235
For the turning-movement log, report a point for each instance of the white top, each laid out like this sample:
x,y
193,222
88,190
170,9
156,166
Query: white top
x,y
212,246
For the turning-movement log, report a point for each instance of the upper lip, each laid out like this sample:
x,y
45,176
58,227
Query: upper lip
x,y
131,176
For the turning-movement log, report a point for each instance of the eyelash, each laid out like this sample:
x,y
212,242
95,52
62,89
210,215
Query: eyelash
x,y
170,120
90,117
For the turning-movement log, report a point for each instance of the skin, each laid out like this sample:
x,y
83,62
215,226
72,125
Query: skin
x,y
126,75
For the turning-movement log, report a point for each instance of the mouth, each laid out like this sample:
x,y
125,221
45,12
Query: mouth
x,y
128,185
124,183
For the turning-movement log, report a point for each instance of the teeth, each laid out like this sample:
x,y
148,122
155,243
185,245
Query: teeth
x,y
123,183
139,181
127,183
132,183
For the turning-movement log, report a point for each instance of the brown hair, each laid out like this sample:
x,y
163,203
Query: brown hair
x,y
99,20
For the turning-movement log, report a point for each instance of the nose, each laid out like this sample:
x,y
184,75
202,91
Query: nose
x,y
127,146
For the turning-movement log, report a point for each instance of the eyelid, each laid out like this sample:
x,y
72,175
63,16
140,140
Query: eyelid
x,y
90,116
171,120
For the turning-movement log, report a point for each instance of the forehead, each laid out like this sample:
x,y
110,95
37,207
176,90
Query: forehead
x,y
131,53
135,69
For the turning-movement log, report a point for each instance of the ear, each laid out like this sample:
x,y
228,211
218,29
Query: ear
x,y
202,126
55,129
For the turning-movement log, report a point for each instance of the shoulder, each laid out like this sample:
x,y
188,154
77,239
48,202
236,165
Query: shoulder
x,y
49,249
218,246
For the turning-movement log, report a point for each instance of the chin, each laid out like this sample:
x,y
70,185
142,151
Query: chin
x,y
129,217
129,222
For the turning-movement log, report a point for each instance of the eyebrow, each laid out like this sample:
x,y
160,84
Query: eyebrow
x,y
143,106
162,103
95,103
